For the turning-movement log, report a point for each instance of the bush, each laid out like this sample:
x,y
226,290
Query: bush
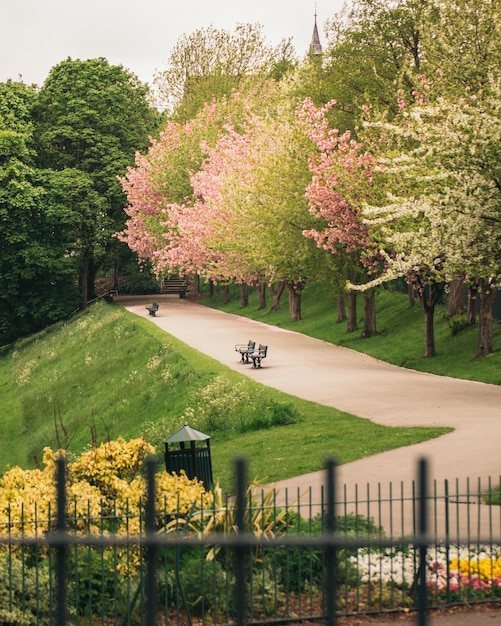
x,y
457,324
205,586
98,588
24,592
303,567
493,497
228,407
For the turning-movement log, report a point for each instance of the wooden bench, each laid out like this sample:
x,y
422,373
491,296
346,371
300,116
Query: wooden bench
x,y
258,356
245,349
152,310
175,285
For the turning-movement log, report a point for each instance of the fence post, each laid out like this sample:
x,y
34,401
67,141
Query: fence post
x,y
331,550
422,536
240,550
151,543
61,547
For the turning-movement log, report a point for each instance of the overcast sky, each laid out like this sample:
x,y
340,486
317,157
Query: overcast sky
x,y
35,35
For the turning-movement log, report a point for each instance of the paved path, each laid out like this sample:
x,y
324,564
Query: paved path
x,y
342,378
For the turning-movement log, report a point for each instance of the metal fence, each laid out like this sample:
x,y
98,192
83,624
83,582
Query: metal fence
x,y
262,558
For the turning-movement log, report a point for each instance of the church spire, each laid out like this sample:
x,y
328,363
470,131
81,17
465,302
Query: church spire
x,y
315,45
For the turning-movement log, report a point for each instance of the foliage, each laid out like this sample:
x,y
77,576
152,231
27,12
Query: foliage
x,y
229,408
205,586
32,237
461,41
374,48
99,585
105,480
493,497
89,119
212,62
441,217
24,592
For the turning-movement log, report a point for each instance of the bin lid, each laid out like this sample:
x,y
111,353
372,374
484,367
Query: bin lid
x,y
186,433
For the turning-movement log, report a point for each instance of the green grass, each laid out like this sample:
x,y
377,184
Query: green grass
x,y
400,338
109,373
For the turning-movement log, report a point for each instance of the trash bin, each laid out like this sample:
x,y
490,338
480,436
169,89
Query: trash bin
x,y
194,459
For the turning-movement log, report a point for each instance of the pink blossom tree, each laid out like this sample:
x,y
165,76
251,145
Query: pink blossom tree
x,y
252,206
162,224
342,183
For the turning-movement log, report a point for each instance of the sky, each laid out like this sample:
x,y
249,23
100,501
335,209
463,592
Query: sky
x,y
36,35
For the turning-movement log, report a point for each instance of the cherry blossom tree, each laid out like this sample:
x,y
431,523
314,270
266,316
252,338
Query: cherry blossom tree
x,y
222,196
252,204
160,191
342,182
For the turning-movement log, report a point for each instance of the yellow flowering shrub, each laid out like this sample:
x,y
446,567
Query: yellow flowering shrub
x,y
105,492
107,465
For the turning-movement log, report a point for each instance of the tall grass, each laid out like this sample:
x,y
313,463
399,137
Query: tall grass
x,y
109,373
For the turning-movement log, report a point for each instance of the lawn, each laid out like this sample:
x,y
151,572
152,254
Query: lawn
x,y
108,373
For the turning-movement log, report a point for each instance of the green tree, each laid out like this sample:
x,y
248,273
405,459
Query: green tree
x,y
35,268
91,117
212,63
374,48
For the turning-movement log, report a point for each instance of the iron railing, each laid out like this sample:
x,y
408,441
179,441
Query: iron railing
x,y
257,560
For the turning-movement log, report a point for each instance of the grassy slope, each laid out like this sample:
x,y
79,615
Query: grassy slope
x,y
400,338
108,372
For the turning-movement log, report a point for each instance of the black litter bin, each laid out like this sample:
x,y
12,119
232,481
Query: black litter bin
x,y
194,459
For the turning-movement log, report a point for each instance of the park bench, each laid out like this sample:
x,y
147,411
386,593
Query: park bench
x,y
245,349
258,356
152,310
175,286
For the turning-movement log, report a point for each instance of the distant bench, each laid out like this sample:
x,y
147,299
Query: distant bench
x,y
152,310
249,353
258,356
245,349
175,286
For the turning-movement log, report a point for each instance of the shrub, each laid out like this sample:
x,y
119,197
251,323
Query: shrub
x,y
98,587
493,497
205,586
24,592
228,407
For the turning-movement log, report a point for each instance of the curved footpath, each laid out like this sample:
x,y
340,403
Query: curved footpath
x,y
347,380
342,378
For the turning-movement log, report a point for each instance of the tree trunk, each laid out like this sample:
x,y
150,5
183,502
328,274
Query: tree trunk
x,y
455,301
277,292
429,295
341,309
226,294
261,293
369,314
411,295
485,339
295,301
244,295
429,332
352,312
471,315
